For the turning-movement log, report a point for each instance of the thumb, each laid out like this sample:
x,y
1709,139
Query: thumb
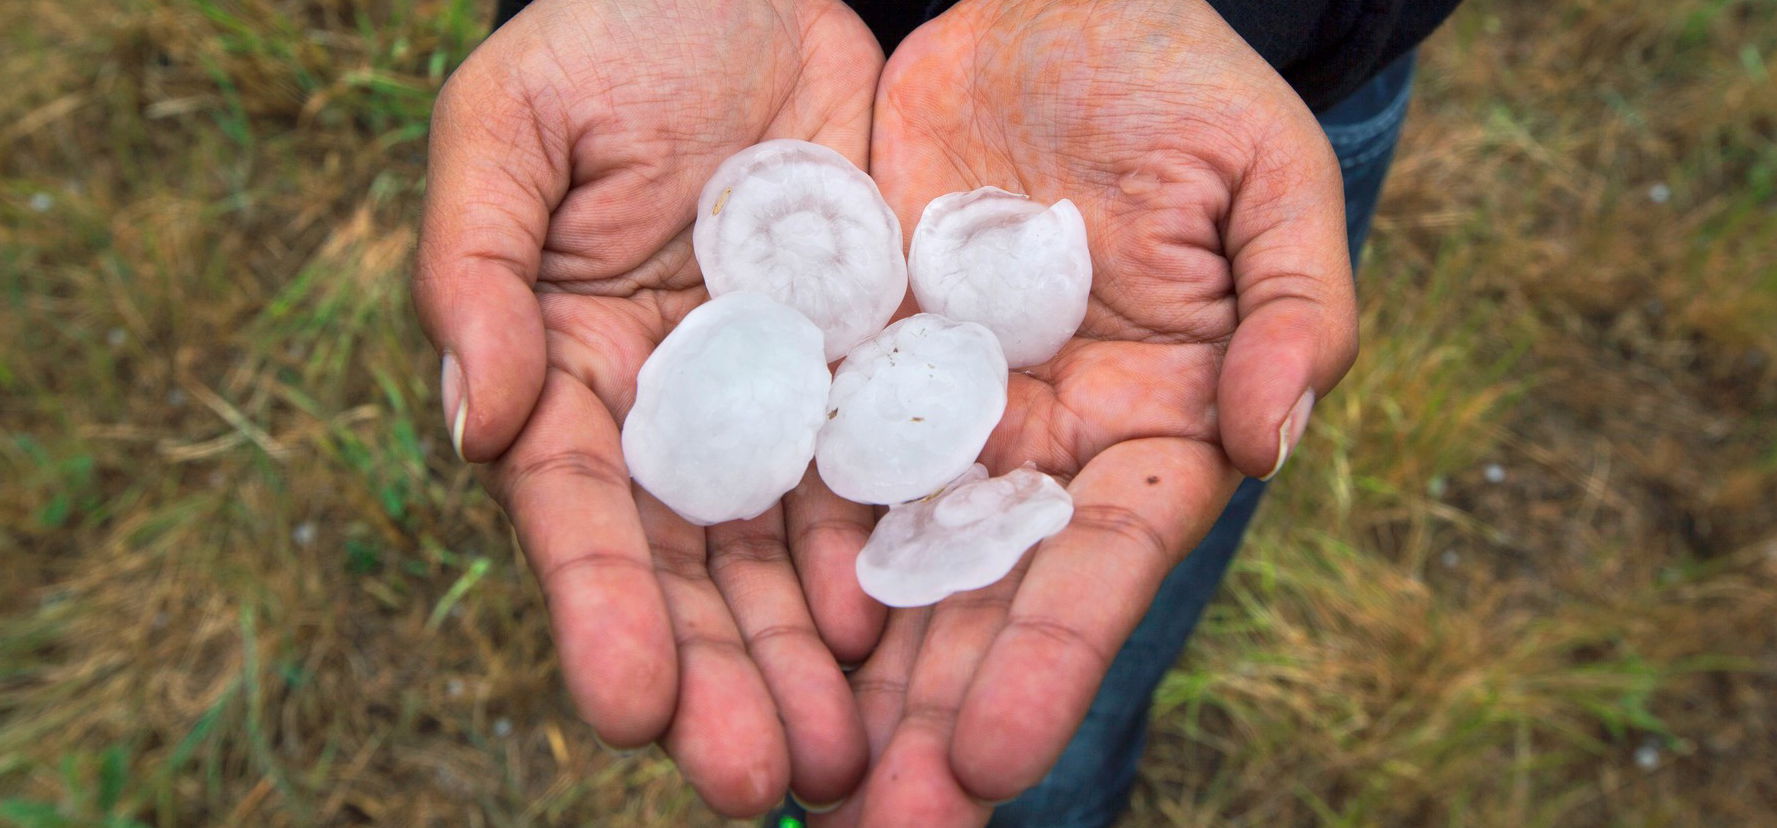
x,y
492,181
1297,334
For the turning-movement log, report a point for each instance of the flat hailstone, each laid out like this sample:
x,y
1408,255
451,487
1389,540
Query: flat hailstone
x,y
965,538
798,222
1007,262
910,409
727,409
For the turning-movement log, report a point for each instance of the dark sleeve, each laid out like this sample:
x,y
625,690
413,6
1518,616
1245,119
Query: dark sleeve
x,y
1324,48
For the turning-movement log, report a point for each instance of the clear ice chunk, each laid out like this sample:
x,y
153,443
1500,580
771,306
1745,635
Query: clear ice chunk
x,y
798,222
910,409
966,537
728,408
1007,262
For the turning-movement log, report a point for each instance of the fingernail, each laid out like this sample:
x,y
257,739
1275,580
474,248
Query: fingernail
x,y
1290,432
621,753
456,405
817,809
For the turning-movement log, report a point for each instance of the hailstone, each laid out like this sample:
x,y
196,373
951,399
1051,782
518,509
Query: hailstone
x,y
728,408
968,536
1007,262
798,222
910,409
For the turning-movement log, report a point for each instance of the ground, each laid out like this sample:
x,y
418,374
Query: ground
x,y
1521,572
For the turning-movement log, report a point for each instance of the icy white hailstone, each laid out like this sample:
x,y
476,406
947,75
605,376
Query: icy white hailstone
x,y
1007,262
798,222
910,409
727,409
967,537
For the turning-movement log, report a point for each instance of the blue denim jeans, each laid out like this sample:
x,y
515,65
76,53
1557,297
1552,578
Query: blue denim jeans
x,y
1090,784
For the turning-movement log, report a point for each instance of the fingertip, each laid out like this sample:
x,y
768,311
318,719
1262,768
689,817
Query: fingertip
x,y
912,784
849,621
1266,376
727,739
1000,748
493,370
618,662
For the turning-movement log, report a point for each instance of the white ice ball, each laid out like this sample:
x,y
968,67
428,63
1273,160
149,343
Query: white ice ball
x,y
728,408
798,222
1007,262
967,537
910,409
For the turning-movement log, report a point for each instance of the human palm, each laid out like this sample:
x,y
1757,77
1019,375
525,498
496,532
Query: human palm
x,y
567,156
1221,304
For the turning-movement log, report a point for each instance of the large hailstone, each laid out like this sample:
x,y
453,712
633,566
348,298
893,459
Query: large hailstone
x,y
910,409
798,222
727,409
1007,262
967,537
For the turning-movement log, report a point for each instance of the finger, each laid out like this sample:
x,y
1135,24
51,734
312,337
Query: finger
x,y
912,782
725,735
1297,330
566,490
493,177
1135,506
751,567
826,534
880,688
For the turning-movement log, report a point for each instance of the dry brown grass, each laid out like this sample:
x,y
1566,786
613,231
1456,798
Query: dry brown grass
x,y
242,585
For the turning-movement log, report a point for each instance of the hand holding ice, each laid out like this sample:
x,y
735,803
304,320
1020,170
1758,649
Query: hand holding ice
x,y
727,409
969,536
798,222
911,409
1007,262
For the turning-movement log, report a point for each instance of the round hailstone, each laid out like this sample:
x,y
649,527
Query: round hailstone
x,y
798,222
727,409
1007,262
965,538
910,409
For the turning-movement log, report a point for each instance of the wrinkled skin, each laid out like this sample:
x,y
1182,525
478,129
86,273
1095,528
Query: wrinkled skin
x,y
1221,293
567,156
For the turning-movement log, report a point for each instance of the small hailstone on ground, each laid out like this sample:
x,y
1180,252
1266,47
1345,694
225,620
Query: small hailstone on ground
x,y
1647,757
41,202
1007,262
798,222
1659,193
727,409
1494,472
304,533
966,537
910,409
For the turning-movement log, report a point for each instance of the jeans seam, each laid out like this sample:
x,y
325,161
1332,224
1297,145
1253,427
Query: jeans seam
x,y
1368,155
1390,116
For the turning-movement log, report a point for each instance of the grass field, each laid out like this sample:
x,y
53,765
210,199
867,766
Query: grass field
x,y
1524,571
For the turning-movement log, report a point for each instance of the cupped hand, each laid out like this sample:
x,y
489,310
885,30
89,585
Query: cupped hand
x,y
1221,307
567,154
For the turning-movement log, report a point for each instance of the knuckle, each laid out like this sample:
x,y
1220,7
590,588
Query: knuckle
x,y
678,561
1124,528
1062,634
520,473
792,634
595,559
